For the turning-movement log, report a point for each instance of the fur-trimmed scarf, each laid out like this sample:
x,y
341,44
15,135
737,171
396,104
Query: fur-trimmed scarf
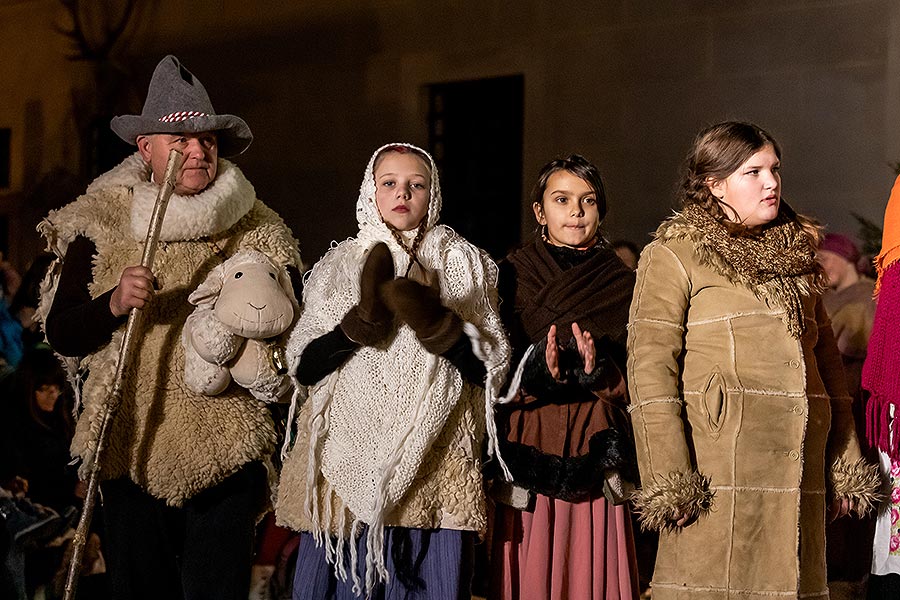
x,y
779,264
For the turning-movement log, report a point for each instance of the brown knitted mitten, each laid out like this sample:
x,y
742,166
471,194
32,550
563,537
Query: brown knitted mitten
x,y
369,322
419,306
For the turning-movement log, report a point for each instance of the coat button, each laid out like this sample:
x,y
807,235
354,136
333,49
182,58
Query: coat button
x,y
797,410
795,364
794,455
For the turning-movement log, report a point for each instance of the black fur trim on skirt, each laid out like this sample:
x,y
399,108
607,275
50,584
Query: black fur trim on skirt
x,y
572,479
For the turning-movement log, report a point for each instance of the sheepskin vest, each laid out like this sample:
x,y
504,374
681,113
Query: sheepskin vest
x,y
170,441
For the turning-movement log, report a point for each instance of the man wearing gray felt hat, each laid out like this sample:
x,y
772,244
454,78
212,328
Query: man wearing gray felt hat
x,y
178,103
178,114
184,475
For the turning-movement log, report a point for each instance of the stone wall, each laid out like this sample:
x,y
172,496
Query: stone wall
x,y
626,82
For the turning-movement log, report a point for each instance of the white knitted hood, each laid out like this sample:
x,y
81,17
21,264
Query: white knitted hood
x,y
373,421
367,215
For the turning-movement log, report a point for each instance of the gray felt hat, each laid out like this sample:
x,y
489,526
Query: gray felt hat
x,y
178,103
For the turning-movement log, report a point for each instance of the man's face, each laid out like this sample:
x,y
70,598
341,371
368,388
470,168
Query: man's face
x,y
201,154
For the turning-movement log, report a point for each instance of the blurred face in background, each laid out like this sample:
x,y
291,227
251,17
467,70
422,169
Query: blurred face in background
x,y
839,271
46,396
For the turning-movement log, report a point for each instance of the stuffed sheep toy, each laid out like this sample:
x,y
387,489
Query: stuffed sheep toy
x,y
243,306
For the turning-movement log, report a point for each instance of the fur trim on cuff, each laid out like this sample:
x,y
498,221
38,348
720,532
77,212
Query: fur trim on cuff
x,y
859,481
659,503
536,377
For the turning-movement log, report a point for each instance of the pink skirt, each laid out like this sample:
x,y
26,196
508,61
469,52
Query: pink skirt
x,y
577,551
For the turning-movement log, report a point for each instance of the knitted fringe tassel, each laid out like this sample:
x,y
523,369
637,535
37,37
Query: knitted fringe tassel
x,y
879,414
291,426
516,383
318,426
354,558
297,398
336,545
341,539
492,397
330,542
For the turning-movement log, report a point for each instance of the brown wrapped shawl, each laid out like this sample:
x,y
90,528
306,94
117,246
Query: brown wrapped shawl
x,y
558,442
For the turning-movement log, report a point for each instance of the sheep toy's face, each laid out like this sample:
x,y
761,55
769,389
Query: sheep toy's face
x,y
252,302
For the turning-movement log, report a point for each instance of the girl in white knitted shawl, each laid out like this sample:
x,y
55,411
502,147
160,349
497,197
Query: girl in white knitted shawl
x,y
402,348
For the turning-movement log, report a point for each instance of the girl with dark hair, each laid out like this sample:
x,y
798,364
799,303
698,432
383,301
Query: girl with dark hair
x,y
402,348
562,527
744,432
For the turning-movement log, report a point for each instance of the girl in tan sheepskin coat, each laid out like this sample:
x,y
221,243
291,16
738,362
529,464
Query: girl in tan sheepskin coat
x,y
742,420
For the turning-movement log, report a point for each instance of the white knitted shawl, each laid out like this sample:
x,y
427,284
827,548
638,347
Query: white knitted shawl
x,y
375,418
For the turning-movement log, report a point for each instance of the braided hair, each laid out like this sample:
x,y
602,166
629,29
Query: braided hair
x,y
413,249
717,152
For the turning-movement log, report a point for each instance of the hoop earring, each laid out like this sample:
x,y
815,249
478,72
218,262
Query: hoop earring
x,y
544,233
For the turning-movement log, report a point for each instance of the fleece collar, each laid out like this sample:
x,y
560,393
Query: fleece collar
x,y
780,290
215,209
678,227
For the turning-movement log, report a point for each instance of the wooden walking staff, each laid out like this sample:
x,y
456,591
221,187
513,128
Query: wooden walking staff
x,y
132,333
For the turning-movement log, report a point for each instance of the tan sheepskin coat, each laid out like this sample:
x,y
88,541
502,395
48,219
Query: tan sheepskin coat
x,y
720,390
169,440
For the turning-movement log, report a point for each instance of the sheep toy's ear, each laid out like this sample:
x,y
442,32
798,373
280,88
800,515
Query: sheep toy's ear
x,y
284,280
208,292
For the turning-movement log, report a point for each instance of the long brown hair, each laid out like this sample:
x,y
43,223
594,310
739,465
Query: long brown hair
x,y
717,152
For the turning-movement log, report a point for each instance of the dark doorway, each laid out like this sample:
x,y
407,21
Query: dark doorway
x,y
475,136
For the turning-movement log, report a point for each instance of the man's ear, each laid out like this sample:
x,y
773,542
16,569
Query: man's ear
x,y
143,144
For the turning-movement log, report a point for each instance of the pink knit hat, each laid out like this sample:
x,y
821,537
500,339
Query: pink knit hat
x,y
842,246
